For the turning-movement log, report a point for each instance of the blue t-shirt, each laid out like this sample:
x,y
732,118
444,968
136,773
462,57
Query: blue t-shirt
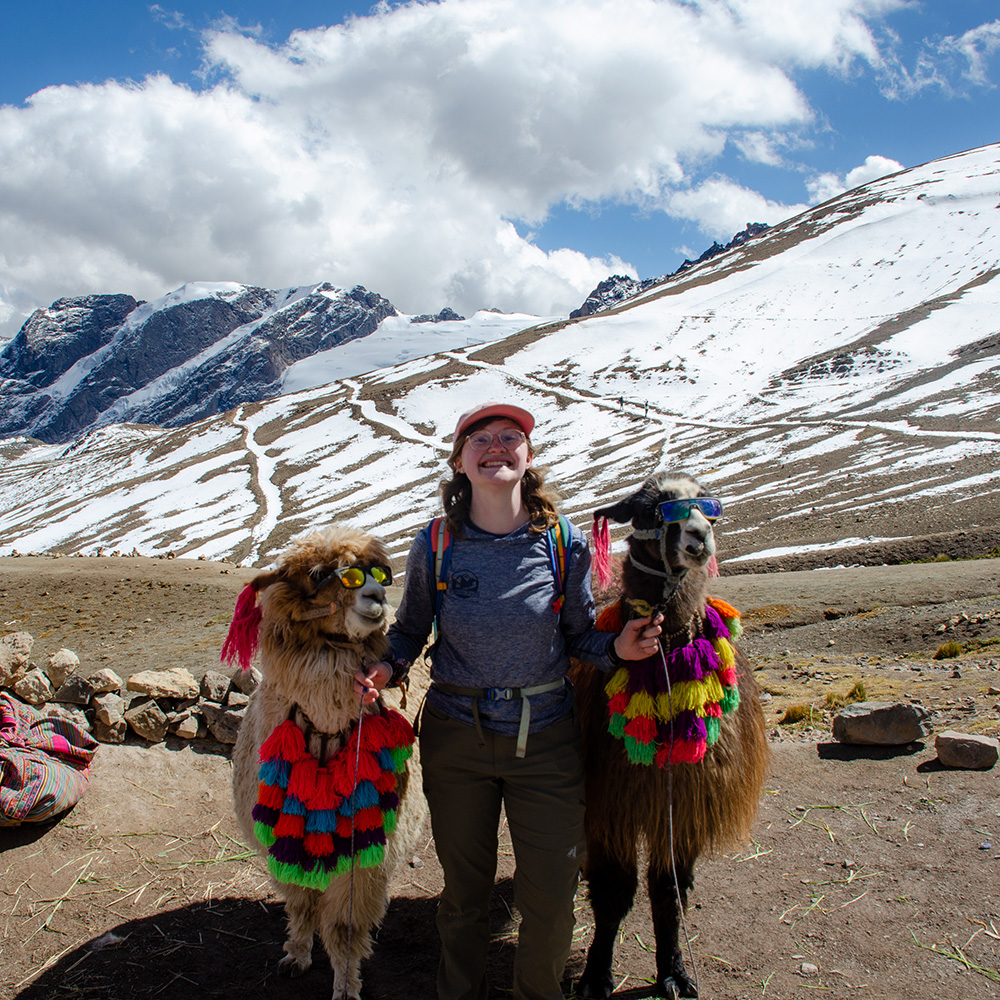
x,y
497,627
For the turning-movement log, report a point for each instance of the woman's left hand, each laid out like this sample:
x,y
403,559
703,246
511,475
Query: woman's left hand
x,y
639,639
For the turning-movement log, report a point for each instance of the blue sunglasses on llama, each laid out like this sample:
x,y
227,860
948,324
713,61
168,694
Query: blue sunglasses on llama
x,y
673,511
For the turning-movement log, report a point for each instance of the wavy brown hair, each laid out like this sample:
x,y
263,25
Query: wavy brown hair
x,y
456,493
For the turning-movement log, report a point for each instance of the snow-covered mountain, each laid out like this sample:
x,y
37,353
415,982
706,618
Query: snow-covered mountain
x,y
94,360
836,381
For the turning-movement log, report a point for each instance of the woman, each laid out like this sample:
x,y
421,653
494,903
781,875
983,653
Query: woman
x,y
500,637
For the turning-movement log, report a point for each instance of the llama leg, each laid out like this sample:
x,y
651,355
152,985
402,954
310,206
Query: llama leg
x,y
612,889
301,914
671,976
346,968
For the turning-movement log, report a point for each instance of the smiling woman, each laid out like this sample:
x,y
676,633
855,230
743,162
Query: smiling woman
x,y
498,727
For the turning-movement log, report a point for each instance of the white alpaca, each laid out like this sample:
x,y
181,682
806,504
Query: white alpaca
x,y
314,633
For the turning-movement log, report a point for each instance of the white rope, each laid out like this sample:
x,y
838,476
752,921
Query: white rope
x,y
350,903
670,817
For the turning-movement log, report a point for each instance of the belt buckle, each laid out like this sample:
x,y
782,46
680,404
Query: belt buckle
x,y
499,694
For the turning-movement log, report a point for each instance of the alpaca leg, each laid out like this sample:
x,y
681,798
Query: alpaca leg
x,y
611,889
301,914
671,976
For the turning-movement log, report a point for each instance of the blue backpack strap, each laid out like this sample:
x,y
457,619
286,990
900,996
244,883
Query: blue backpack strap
x,y
559,541
439,552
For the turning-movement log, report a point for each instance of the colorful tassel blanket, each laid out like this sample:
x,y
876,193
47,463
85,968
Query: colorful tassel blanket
x,y
674,717
318,821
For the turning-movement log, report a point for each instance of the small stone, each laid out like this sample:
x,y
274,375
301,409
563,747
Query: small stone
x,y
33,687
237,699
808,969
186,729
148,720
76,690
61,664
223,723
176,682
876,723
214,686
766,698
70,713
105,680
113,732
966,750
109,708
247,680
15,655
416,862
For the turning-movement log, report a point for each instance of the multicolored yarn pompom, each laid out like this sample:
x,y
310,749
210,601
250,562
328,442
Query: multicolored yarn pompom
x,y
318,821
674,716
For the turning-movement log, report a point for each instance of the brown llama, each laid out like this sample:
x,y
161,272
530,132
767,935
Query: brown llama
x,y
324,793
675,746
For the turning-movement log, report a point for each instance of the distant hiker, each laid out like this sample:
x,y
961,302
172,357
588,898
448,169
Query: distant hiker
x,y
499,729
646,414
621,402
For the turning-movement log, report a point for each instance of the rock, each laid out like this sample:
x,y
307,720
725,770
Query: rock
x,y
109,708
174,683
61,664
808,969
71,713
237,699
247,680
33,687
76,690
113,732
966,750
223,723
147,719
186,729
15,655
214,686
877,723
105,680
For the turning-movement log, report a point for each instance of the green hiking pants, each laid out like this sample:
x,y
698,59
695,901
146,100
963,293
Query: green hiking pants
x,y
542,796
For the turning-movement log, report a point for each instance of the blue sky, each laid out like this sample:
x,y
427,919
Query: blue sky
x,y
470,153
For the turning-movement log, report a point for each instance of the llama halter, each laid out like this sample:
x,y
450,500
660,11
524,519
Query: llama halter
x,y
319,821
673,717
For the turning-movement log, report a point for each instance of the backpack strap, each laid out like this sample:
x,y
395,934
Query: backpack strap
x,y
559,539
439,551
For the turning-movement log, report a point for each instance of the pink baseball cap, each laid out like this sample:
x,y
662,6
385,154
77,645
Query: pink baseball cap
x,y
484,410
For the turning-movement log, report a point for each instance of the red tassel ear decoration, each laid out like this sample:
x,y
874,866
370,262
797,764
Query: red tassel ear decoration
x,y
601,537
241,642
713,567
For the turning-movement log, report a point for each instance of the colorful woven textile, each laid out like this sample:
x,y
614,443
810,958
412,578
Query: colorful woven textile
x,y
318,821
672,715
44,763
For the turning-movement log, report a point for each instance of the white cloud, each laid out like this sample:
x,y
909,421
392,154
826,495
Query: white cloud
x,y
828,185
722,207
395,149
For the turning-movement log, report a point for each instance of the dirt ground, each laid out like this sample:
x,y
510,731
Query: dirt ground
x,y
871,872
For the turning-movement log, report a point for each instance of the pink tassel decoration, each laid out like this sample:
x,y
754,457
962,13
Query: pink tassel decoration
x,y
241,642
601,537
713,567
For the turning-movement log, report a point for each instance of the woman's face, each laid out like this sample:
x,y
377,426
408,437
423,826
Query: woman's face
x,y
496,465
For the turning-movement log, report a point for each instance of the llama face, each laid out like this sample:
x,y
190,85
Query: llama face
x,y
690,542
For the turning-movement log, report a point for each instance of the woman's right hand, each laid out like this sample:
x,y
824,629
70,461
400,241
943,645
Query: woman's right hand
x,y
369,681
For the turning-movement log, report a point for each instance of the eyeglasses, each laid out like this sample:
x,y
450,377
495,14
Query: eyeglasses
x,y
509,439
680,510
353,577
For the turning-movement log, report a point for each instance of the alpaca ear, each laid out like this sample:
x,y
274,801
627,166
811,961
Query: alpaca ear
x,y
241,641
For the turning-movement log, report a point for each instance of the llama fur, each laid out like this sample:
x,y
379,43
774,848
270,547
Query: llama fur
x,y
309,659
713,802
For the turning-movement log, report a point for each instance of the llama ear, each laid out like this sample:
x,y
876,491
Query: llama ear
x,y
241,642
620,512
713,567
